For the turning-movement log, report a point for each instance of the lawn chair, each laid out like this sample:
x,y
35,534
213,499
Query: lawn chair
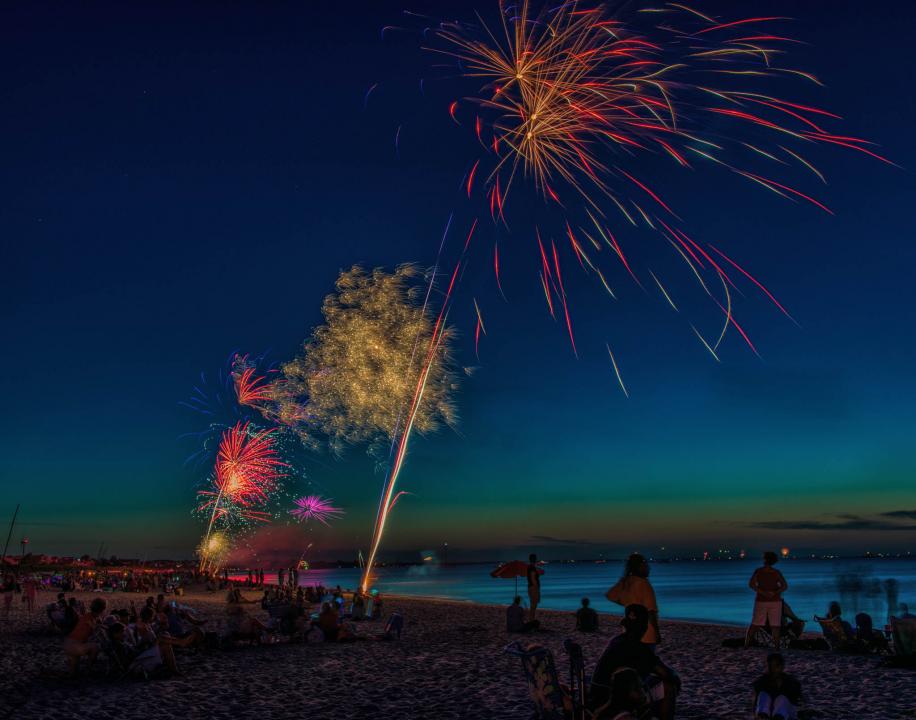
x,y
550,702
903,631
578,690
837,636
394,626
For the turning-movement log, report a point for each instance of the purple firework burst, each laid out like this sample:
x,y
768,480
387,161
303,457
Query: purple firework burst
x,y
315,507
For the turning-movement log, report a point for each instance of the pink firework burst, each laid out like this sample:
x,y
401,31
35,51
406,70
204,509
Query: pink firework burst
x,y
315,507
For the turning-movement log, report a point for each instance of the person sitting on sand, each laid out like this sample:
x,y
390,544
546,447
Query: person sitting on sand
x,y
150,646
79,642
634,588
515,618
769,585
628,650
130,658
239,622
329,622
182,635
586,618
778,693
628,698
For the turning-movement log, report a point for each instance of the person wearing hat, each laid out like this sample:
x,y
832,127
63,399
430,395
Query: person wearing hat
x,y
628,651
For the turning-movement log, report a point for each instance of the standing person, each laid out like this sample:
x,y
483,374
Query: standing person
x,y
281,575
29,594
296,576
769,584
533,573
7,589
291,576
261,577
634,588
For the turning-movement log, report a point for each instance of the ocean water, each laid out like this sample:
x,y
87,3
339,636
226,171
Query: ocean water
x,y
715,591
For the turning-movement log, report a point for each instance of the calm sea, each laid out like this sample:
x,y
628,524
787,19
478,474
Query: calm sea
x,y
711,591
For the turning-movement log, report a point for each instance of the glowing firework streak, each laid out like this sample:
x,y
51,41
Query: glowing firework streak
x,y
617,372
315,507
388,494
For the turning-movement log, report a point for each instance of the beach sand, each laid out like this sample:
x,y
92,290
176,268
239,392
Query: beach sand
x,y
449,664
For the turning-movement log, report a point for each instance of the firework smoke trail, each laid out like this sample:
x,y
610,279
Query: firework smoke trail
x,y
246,473
388,495
315,507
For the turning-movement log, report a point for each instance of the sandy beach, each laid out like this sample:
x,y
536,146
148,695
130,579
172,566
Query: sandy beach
x,y
448,664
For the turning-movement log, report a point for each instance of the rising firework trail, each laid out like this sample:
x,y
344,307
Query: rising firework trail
x,y
431,353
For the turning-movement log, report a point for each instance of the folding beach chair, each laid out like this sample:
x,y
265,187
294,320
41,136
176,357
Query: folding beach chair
x,y
550,702
394,626
836,635
903,631
578,690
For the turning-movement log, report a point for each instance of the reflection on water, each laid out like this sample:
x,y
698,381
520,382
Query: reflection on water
x,y
716,591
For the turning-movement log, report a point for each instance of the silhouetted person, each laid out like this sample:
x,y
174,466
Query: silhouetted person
x,y
586,618
778,693
634,588
533,573
515,618
627,650
769,584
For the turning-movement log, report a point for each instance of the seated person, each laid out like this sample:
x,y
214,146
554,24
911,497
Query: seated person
x,y
792,625
628,651
181,635
329,622
628,697
57,611
834,612
80,642
905,613
870,639
586,618
515,618
240,623
71,616
778,693
151,649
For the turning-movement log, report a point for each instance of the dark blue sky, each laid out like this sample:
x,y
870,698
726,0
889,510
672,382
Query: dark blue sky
x,y
183,180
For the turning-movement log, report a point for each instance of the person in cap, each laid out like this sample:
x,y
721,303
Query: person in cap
x,y
627,650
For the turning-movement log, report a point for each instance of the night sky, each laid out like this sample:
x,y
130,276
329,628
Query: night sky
x,y
184,180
